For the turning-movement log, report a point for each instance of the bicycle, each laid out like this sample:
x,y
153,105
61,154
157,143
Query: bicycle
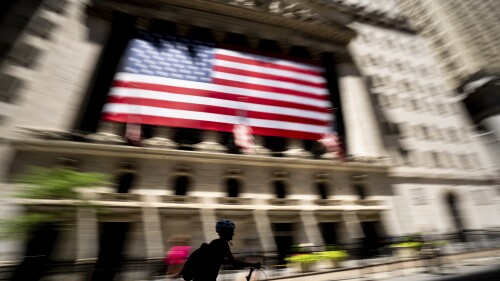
x,y
260,269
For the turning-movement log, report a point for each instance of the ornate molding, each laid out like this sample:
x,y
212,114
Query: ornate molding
x,y
271,19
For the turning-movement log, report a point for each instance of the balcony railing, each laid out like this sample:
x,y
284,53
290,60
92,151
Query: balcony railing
x,y
235,200
283,201
119,197
369,202
328,202
180,199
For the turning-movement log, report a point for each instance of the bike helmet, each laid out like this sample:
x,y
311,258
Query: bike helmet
x,y
224,225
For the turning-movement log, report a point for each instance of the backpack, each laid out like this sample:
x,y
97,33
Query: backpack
x,y
196,260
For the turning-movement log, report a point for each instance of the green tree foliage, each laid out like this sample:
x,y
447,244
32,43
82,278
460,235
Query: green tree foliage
x,y
47,183
56,183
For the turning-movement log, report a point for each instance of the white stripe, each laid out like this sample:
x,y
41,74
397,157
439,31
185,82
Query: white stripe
x,y
130,77
166,96
266,70
283,62
273,83
204,116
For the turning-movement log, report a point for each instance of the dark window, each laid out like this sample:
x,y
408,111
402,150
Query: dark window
x,y
181,184
233,187
322,190
360,190
8,87
125,182
279,187
329,233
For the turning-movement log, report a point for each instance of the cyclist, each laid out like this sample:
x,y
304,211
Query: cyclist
x,y
219,252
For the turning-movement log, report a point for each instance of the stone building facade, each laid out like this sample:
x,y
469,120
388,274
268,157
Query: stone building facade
x,y
413,164
463,37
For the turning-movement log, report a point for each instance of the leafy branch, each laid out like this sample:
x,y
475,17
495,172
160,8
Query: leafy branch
x,y
47,183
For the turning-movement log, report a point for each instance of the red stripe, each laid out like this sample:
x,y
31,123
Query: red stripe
x,y
238,84
267,76
206,125
266,64
213,94
213,109
264,53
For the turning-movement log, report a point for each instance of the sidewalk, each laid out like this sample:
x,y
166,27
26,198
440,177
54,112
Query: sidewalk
x,y
452,270
474,269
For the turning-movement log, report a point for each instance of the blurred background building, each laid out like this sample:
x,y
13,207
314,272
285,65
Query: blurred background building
x,y
463,37
414,161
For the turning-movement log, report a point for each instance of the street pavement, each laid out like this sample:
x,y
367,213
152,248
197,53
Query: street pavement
x,y
484,269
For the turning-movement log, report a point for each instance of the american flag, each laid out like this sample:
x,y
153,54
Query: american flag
x,y
179,82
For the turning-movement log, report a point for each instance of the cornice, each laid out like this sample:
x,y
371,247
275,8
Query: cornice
x,y
129,152
361,13
292,26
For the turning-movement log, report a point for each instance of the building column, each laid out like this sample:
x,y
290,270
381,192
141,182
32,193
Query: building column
x,y
260,149
353,225
109,133
162,137
296,150
310,224
263,225
87,236
362,131
210,142
208,219
152,233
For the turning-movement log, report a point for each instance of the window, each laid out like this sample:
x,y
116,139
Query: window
x,y
279,188
464,161
360,190
125,182
322,188
233,187
181,185
405,156
8,87
23,54
436,159
391,128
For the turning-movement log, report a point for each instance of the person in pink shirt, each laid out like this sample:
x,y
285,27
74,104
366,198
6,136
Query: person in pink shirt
x,y
177,255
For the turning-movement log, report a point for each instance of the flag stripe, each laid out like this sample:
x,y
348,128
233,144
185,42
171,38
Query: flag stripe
x,y
163,92
206,125
211,109
228,55
173,85
267,89
288,79
213,117
305,77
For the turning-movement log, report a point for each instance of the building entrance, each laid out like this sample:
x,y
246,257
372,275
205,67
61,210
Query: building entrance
x,y
451,201
113,235
283,235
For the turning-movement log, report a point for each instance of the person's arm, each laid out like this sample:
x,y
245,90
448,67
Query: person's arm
x,y
240,263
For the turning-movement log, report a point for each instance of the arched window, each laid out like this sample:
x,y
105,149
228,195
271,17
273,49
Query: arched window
x,y
452,202
233,187
279,187
125,182
360,190
181,184
322,188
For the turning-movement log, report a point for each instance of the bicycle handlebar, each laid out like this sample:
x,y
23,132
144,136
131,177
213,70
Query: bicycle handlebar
x,y
251,271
